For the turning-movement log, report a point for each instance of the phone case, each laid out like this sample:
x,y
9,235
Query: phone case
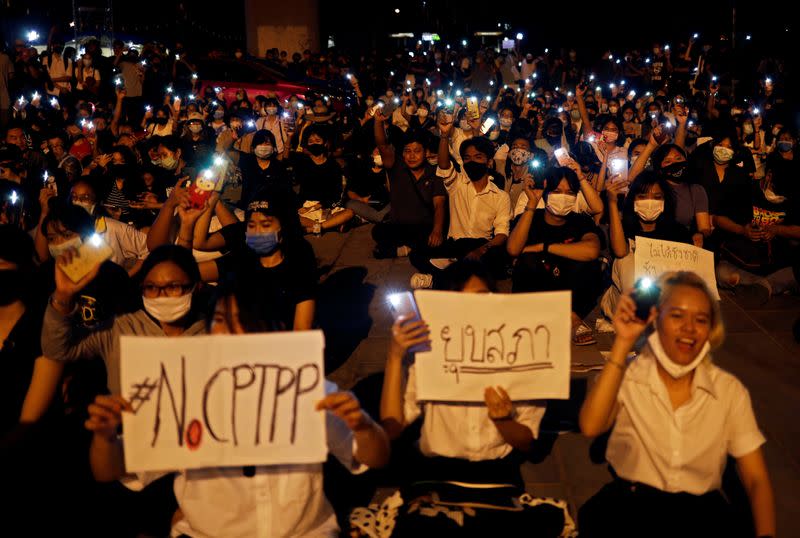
x,y
404,304
473,111
562,157
88,256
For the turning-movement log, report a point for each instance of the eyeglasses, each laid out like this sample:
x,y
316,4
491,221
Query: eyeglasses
x,y
82,198
173,289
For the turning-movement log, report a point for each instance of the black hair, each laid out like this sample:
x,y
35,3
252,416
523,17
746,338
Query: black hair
x,y
171,142
459,273
636,142
602,121
72,217
16,247
257,313
127,154
481,145
554,176
180,256
641,185
662,151
586,157
263,135
318,130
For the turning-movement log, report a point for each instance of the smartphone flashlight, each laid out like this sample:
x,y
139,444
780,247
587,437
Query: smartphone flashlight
x,y
148,108
169,89
617,165
45,176
348,76
536,163
14,197
53,102
695,36
756,112
118,81
591,77
177,56
458,93
598,89
95,240
714,78
766,81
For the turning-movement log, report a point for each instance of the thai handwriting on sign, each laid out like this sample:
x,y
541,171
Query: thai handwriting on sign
x,y
673,252
291,383
485,352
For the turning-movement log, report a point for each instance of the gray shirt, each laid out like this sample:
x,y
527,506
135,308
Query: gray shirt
x,y
689,200
59,343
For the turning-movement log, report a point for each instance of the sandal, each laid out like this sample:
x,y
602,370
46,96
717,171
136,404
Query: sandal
x,y
583,335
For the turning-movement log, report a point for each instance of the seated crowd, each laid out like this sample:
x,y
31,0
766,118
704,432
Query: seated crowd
x,y
480,174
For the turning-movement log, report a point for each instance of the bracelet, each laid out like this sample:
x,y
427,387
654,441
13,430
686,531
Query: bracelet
x,y
530,208
505,418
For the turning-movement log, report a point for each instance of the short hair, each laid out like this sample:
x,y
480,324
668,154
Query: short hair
x,y
171,142
635,143
180,256
481,145
554,176
257,313
669,282
72,217
318,130
263,135
661,153
459,273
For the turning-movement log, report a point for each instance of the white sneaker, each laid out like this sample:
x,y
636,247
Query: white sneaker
x,y
403,251
421,281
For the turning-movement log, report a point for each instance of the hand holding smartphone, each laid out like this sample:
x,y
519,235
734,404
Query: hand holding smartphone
x,y
562,157
403,304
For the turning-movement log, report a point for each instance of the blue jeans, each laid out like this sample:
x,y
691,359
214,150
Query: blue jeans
x,y
367,211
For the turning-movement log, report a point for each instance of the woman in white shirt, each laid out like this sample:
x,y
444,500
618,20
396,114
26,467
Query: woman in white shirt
x,y
459,441
87,75
263,501
675,418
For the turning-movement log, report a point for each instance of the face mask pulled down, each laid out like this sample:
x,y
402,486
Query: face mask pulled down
x,y
675,370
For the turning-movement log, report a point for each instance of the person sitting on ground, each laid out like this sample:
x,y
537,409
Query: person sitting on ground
x,y
648,211
674,418
418,198
558,249
479,211
321,181
296,504
367,190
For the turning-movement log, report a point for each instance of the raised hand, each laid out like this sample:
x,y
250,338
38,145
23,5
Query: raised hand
x,y
407,334
346,406
627,326
105,415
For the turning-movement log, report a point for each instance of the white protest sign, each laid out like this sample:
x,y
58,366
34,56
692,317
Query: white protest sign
x,y
227,400
654,257
520,342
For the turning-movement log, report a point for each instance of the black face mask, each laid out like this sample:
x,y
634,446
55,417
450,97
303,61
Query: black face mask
x,y
316,149
475,171
11,286
675,171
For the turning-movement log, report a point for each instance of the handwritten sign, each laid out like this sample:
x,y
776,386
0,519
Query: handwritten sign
x,y
226,400
520,342
654,257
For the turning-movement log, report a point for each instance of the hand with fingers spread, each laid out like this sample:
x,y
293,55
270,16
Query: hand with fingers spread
x,y
407,334
498,402
614,187
105,416
347,407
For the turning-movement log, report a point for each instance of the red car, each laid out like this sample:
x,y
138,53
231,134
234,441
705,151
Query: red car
x,y
254,78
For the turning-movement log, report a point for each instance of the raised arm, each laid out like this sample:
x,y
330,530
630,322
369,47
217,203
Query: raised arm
x,y
586,124
519,234
600,407
641,162
616,233
386,151
160,232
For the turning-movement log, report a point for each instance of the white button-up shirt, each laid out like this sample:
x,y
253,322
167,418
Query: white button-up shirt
x,y
128,243
463,430
685,449
279,501
473,214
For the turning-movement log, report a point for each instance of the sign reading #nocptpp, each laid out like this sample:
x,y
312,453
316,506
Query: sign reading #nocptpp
x,y
654,257
226,400
520,342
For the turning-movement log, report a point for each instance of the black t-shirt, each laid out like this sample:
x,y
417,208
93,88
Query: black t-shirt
x,y
412,198
286,285
725,197
18,353
364,181
319,182
273,180
576,225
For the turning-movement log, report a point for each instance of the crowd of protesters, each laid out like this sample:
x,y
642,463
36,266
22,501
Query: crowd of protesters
x,y
480,166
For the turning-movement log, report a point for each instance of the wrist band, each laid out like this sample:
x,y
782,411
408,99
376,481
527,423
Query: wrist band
x,y
505,418
620,366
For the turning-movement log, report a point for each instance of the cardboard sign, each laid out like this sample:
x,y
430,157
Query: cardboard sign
x,y
227,400
520,342
654,257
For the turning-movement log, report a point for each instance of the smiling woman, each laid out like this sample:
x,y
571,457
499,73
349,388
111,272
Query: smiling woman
x,y
676,419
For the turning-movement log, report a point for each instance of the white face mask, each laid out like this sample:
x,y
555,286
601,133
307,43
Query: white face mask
x,y
675,370
560,204
519,156
195,128
377,160
722,154
506,122
88,207
271,110
263,151
648,210
58,250
168,309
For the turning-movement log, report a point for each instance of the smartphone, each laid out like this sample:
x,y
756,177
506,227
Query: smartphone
x,y
645,295
403,304
487,125
92,252
562,157
473,112
50,182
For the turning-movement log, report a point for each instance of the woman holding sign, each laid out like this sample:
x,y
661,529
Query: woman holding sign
x,y
464,442
674,418
267,500
648,211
